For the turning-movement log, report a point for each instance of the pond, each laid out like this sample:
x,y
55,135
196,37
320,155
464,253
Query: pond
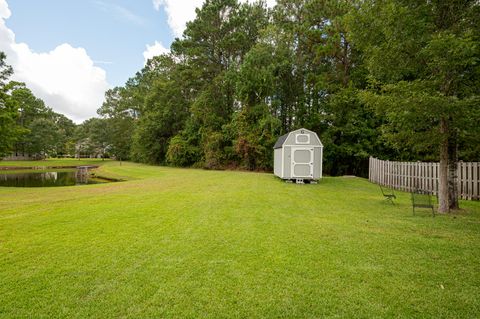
x,y
47,178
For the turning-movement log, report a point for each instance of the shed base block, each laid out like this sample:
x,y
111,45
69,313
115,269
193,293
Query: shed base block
x,y
301,181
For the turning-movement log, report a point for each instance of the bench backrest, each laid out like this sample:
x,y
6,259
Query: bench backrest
x,y
386,191
422,199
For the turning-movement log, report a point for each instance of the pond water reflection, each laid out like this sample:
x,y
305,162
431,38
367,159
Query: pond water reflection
x,y
47,179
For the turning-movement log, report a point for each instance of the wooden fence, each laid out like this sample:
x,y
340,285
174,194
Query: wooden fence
x,y
407,176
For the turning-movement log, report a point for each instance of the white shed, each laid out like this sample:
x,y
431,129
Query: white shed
x,y
298,155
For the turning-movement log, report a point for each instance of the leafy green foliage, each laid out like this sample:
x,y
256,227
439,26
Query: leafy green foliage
x,y
92,138
423,58
181,153
352,134
9,130
29,128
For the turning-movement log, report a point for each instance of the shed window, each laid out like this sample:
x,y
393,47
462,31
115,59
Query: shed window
x,y
302,138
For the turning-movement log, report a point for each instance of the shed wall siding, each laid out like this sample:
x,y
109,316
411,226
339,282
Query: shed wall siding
x,y
277,164
287,162
317,160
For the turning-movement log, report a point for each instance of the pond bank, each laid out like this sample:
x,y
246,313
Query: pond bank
x,y
47,177
47,167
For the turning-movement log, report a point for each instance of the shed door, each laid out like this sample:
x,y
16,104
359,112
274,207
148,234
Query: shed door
x,y
302,162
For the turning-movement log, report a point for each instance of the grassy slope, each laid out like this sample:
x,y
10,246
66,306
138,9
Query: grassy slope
x,y
192,243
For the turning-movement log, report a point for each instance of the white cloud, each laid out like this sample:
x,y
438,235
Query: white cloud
x,y
4,11
153,50
180,12
65,78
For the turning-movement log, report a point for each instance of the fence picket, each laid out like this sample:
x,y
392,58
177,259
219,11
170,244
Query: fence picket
x,y
465,179
470,180
476,188
432,179
408,176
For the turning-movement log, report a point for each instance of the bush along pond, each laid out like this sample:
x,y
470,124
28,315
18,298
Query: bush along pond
x,y
31,177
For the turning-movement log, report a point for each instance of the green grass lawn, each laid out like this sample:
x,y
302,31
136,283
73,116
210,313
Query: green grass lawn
x,y
184,243
55,162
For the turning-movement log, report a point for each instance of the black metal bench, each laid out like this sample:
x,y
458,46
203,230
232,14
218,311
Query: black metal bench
x,y
422,199
388,194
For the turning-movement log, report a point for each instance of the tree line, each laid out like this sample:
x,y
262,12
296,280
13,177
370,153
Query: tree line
x,y
29,129
394,79
27,126
372,78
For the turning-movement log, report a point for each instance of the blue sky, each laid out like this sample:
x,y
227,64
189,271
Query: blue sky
x,y
114,33
69,52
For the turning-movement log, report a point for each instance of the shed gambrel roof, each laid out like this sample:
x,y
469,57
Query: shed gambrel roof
x,y
280,141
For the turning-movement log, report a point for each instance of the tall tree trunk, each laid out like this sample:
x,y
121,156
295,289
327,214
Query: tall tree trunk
x,y
443,203
452,171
